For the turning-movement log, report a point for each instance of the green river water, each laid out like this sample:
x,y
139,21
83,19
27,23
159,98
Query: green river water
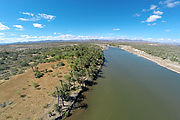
x,y
132,88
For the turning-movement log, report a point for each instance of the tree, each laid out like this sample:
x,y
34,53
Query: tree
x,y
68,78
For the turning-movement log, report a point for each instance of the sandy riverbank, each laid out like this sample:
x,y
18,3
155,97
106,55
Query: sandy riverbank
x,y
174,66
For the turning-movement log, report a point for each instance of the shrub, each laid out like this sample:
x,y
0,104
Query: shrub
x,y
66,114
60,64
3,67
24,64
50,70
23,95
45,105
52,66
56,107
38,74
6,78
35,85
21,71
45,71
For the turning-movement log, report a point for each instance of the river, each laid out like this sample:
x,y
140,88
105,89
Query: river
x,y
132,88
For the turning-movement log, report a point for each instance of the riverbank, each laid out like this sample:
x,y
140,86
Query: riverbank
x,y
132,88
174,66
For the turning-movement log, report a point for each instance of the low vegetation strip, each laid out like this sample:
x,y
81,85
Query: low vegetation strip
x,y
164,51
171,65
164,55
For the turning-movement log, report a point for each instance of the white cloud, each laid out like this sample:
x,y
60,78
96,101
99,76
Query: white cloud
x,y
23,19
152,7
170,3
29,19
27,13
1,34
37,25
55,33
18,27
116,29
144,10
25,38
3,27
153,18
163,21
154,24
47,17
37,17
158,12
137,15
151,24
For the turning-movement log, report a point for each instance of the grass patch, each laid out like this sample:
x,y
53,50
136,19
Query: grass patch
x,y
35,85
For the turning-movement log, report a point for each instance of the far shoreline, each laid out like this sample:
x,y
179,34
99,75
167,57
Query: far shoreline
x,y
173,66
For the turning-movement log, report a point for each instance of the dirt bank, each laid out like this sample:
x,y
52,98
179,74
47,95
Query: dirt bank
x,y
27,102
174,66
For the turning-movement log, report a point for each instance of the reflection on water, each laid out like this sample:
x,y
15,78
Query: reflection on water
x,y
132,88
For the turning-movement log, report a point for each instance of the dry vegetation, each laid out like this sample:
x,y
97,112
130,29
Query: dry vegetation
x,y
30,101
164,51
47,73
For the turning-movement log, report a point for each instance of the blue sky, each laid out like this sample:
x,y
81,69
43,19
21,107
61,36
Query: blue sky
x,y
32,20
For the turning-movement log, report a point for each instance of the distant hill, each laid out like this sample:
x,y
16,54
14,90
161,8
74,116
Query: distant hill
x,y
90,40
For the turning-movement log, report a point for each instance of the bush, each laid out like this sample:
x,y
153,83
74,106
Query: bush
x,y
50,70
38,74
24,64
66,114
23,95
35,85
56,107
52,66
60,64
6,78
3,67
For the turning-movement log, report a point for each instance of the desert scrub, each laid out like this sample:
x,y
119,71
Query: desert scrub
x,y
23,95
53,66
60,64
35,85
66,114
38,74
46,105
50,70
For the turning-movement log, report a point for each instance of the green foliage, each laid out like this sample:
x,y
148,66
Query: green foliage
x,y
79,57
50,70
66,114
35,85
60,64
24,64
6,78
56,107
38,74
67,77
53,66
171,52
